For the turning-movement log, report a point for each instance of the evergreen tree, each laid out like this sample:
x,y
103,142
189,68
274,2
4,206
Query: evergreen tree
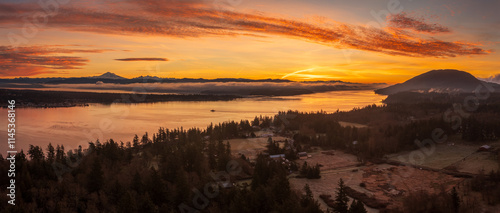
x,y
182,191
304,169
95,179
135,141
127,203
341,200
137,184
36,153
50,153
306,199
308,203
156,188
315,172
80,151
193,159
255,121
357,207
455,199
145,139
252,134
280,186
261,172
211,152
60,154
116,191
223,156
147,204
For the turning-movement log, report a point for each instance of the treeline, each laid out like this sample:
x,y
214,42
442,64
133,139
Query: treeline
x,y
168,171
394,127
442,98
310,172
36,98
481,129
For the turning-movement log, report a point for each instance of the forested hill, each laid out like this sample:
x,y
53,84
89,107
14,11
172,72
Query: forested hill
x,y
438,81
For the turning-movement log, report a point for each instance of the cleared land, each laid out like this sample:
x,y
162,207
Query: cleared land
x,y
344,124
330,159
336,166
383,182
390,184
251,147
478,162
458,156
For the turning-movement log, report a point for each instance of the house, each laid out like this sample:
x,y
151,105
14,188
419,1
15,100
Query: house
x,y
225,184
302,155
277,157
484,148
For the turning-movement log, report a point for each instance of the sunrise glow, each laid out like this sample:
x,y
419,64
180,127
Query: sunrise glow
x,y
296,40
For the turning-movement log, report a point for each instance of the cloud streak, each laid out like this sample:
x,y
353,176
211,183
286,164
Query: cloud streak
x,y
195,18
33,60
298,73
403,21
141,59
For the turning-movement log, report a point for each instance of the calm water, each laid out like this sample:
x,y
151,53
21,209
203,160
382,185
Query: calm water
x,y
79,125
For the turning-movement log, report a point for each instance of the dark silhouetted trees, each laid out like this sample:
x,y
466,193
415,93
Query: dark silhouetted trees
x,y
341,200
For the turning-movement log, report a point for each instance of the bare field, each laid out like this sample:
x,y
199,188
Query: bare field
x,y
250,147
391,183
344,124
337,160
478,162
461,156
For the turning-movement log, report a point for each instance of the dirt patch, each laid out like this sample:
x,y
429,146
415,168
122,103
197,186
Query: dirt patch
x,y
331,159
345,124
376,185
328,152
328,200
363,197
389,184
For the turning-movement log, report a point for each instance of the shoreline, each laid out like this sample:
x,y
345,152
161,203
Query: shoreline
x,y
61,99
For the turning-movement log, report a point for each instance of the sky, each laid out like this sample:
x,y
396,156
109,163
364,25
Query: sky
x,y
365,41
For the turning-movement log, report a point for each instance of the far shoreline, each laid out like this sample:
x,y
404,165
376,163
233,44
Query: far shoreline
x,y
61,99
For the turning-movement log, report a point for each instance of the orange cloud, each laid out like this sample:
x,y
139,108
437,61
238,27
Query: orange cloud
x,y
141,59
10,70
403,21
33,60
194,18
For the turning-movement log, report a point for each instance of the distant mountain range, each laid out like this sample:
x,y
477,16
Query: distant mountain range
x,y
109,77
114,78
438,81
220,86
433,81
